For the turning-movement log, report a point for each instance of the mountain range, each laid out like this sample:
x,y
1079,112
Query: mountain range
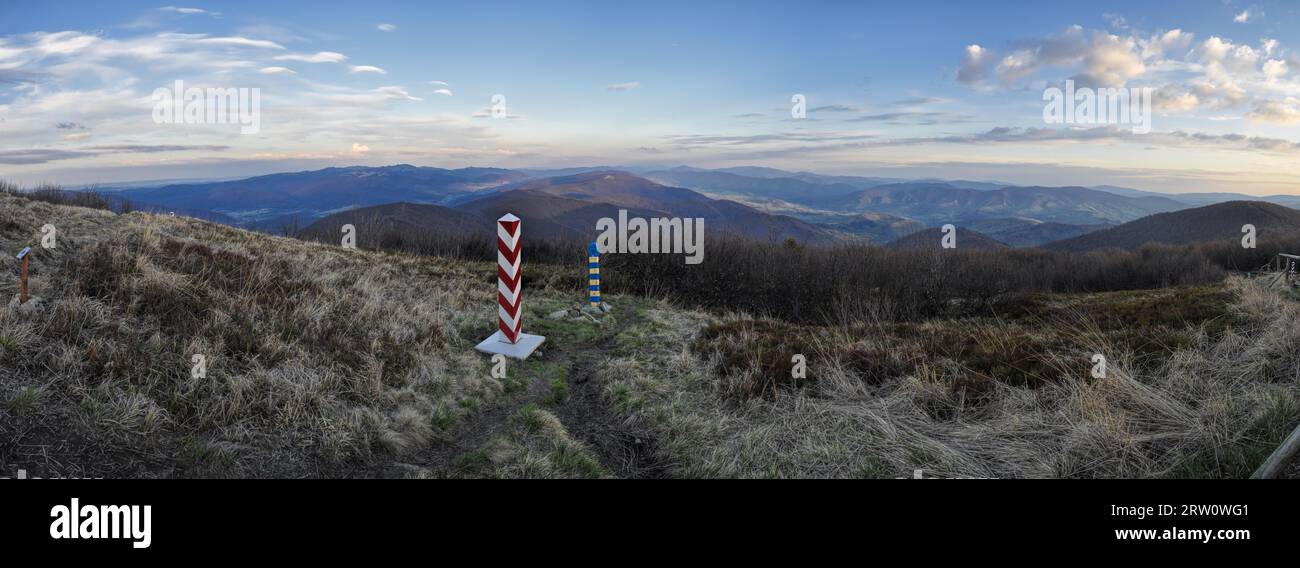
x,y
753,202
1219,222
570,206
272,199
1020,232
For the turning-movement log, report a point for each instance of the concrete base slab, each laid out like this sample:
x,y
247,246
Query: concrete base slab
x,y
496,344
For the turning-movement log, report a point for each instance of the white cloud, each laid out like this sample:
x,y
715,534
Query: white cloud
x,y
1269,46
1244,17
444,92
974,65
1176,138
1280,112
55,44
619,87
73,55
1226,71
329,98
1105,60
241,42
1233,57
1100,58
487,113
188,11
1030,57
1215,74
1161,43
439,83
386,27
51,78
318,57
1175,99
397,93
1111,61
359,148
1116,21
1273,69
366,69
836,108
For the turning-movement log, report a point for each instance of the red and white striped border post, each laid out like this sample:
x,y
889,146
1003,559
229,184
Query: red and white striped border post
x,y
509,287
509,339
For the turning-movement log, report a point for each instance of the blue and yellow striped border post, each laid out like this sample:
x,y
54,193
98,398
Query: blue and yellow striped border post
x,y
593,275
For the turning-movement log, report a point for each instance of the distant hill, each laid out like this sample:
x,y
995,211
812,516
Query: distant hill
x,y
646,198
874,227
395,216
784,188
940,202
809,199
1199,199
768,203
933,238
549,216
273,198
616,188
570,206
545,217
1030,232
1218,222
759,172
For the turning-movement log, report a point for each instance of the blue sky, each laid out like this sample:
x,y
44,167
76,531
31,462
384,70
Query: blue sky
x,y
910,89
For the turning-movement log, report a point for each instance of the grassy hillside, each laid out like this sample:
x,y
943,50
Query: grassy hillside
x,y
329,362
1221,222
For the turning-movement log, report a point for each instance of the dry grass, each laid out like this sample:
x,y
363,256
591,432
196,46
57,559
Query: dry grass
x,y
1202,395
326,362
318,360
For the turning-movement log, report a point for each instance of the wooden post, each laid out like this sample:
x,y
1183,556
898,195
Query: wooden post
x,y
593,275
1280,457
22,287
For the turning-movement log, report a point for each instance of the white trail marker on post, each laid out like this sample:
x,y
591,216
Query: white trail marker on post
x,y
22,290
508,340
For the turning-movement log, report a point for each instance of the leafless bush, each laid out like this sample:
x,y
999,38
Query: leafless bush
x,y
89,197
832,284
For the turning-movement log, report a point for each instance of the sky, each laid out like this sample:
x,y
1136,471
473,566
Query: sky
x,y
902,89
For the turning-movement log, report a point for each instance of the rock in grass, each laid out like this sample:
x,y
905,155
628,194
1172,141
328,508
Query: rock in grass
x,y
33,305
603,308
